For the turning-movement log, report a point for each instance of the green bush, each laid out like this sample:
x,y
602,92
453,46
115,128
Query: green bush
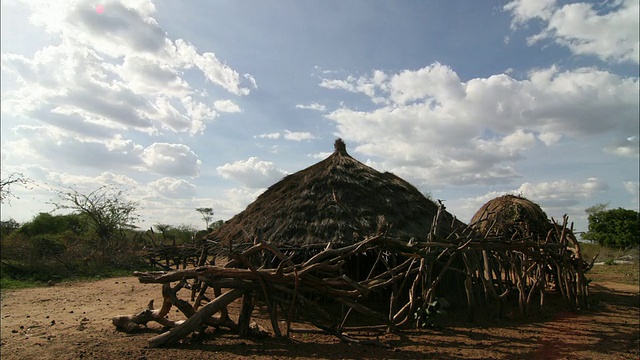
x,y
616,228
45,223
47,245
55,247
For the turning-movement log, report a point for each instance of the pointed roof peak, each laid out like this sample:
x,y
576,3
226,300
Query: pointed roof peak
x,y
340,147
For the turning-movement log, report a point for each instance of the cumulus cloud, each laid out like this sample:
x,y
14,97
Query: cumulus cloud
x,y
117,70
85,182
610,32
45,144
525,10
252,173
562,192
431,126
173,188
171,159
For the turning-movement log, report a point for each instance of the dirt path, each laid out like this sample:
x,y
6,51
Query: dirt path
x,y
73,320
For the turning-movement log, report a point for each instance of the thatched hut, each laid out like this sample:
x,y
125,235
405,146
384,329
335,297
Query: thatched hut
x,y
338,200
341,201
510,214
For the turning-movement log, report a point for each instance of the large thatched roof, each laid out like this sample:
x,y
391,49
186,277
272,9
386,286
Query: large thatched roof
x,y
508,214
337,200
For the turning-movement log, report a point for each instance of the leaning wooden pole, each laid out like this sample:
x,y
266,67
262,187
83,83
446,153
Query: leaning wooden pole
x,y
195,322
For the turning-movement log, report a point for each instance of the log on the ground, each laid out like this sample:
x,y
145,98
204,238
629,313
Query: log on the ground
x,y
194,322
132,323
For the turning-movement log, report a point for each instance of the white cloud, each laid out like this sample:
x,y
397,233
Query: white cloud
x,y
562,192
287,135
313,106
612,33
298,136
431,80
525,10
320,155
431,126
275,135
145,75
171,159
216,72
85,182
549,138
252,173
627,147
632,187
173,188
198,112
45,144
237,199
363,84
114,71
227,106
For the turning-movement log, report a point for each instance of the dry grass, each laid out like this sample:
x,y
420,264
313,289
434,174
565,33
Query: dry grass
x,y
625,274
590,250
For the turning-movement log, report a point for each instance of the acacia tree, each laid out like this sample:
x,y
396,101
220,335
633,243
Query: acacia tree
x,y
163,228
14,178
107,212
615,228
207,215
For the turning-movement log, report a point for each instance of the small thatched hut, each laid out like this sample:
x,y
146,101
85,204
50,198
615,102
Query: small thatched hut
x,y
338,200
510,214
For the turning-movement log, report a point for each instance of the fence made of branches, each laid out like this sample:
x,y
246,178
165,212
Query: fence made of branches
x,y
493,271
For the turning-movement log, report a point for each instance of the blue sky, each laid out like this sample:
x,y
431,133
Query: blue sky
x,y
192,104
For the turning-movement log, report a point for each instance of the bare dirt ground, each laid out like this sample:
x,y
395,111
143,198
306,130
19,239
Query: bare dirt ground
x,y
73,321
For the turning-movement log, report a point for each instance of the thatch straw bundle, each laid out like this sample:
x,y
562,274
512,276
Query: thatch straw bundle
x,y
337,200
510,214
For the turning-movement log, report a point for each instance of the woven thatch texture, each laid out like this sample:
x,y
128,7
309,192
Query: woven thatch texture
x,y
336,200
508,214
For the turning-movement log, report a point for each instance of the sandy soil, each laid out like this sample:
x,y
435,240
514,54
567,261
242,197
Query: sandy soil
x,y
73,321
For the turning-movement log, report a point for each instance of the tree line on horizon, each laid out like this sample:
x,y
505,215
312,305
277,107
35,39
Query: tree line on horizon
x,y
95,236
99,234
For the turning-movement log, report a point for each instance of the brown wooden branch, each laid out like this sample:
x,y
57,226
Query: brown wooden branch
x,y
194,322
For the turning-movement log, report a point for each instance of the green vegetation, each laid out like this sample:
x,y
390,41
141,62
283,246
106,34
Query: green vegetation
x,y
616,228
96,238
174,235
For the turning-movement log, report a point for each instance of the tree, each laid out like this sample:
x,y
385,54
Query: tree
x,y
163,228
15,178
207,215
217,224
7,227
108,214
615,228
